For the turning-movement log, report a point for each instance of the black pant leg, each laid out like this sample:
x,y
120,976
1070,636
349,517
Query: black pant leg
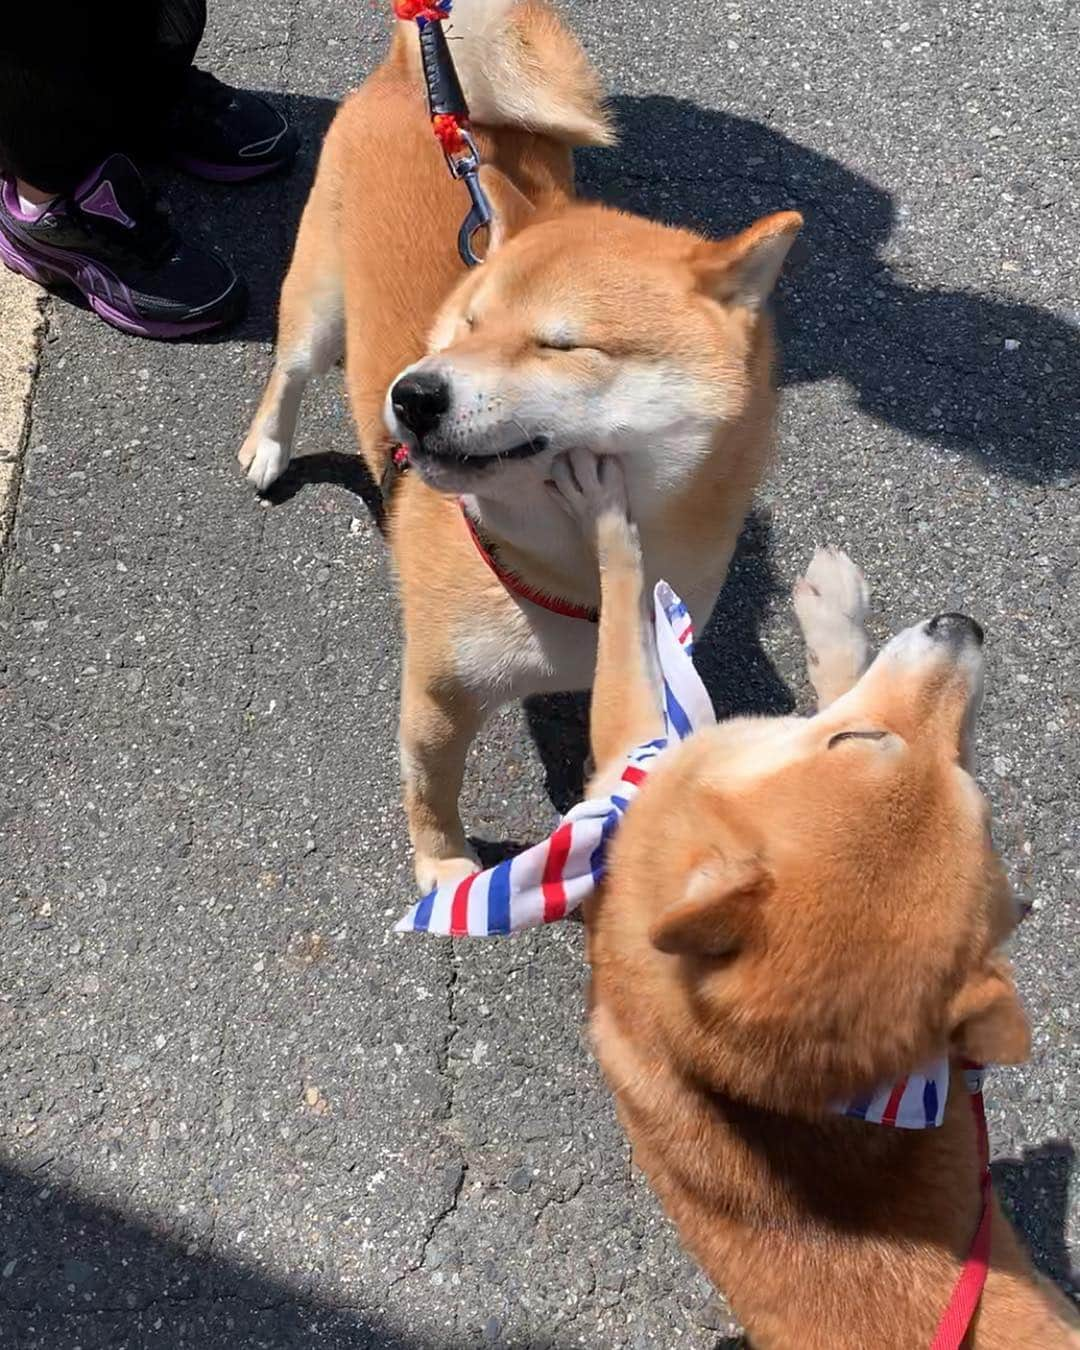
x,y
79,80
180,26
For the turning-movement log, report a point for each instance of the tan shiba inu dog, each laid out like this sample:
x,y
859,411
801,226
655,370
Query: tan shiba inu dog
x,y
797,911
584,327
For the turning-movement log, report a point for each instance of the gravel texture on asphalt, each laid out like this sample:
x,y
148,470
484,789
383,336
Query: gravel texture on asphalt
x,y
235,1110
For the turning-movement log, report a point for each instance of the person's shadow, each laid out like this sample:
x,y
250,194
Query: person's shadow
x,y
933,363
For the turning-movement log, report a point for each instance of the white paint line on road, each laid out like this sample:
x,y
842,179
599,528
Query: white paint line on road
x,y
22,324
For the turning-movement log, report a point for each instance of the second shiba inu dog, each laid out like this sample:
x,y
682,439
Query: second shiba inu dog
x,y
797,913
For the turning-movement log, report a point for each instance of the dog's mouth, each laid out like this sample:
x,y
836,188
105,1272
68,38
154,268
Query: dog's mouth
x,y
458,459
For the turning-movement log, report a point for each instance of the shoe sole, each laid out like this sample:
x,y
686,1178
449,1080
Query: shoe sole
x,y
75,270
229,173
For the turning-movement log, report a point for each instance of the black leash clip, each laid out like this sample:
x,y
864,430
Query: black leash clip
x,y
467,168
445,96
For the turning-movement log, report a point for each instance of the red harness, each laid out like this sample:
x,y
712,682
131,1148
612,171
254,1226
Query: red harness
x,y
964,1300
514,584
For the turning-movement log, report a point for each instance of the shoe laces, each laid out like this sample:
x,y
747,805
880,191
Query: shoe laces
x,y
151,241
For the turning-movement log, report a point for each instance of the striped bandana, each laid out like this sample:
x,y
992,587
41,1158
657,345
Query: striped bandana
x,y
551,879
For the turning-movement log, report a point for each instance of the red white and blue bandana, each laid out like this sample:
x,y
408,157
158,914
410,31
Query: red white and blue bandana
x,y
551,879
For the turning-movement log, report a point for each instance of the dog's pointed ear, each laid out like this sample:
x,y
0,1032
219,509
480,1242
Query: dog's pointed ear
x,y
511,209
987,1022
717,910
743,270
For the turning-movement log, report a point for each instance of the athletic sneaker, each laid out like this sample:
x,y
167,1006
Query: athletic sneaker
x,y
112,239
227,135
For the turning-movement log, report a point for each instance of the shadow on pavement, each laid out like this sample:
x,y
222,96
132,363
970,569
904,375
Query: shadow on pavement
x,y
930,362
738,673
1034,1191
330,466
255,224
76,1273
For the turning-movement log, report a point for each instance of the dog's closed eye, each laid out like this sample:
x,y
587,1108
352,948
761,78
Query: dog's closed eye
x,y
856,736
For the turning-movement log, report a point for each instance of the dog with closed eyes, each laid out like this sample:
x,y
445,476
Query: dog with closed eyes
x,y
585,327
796,911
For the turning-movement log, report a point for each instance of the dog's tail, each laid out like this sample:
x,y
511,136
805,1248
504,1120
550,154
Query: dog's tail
x,y
521,67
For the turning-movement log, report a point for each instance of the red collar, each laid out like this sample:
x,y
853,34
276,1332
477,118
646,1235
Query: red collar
x,y
953,1327
514,584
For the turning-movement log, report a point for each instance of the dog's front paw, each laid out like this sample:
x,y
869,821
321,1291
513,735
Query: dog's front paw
x,y
431,873
830,602
592,489
264,459
589,486
832,594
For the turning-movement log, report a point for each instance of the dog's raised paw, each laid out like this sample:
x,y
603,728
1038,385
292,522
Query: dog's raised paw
x,y
830,603
833,590
589,485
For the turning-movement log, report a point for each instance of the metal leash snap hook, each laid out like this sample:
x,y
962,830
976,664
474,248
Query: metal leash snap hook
x,y
479,218
449,115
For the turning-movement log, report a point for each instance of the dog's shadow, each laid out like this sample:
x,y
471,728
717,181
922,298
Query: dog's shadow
x,y
736,670
1034,1191
331,466
931,362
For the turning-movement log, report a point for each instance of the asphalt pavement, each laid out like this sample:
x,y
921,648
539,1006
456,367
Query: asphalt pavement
x,y
235,1111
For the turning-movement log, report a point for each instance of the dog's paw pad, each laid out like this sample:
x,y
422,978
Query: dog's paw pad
x,y
589,485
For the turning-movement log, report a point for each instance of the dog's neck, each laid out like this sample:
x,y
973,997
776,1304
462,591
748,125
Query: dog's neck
x,y
538,542
787,1160
752,1189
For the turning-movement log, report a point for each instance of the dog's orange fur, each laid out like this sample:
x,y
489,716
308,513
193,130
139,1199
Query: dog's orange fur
x,y
785,923
376,263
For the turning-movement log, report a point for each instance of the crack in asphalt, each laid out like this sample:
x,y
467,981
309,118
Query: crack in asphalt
x,y
449,1074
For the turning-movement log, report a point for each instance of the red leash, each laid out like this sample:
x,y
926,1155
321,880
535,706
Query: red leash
x,y
516,586
964,1300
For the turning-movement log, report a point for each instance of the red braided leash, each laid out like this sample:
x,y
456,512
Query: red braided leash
x,y
449,128
415,11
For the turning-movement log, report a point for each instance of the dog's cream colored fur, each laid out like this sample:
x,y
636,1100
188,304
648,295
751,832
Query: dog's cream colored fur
x,y
585,326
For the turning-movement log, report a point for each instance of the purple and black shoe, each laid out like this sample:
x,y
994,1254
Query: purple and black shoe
x,y
113,241
227,135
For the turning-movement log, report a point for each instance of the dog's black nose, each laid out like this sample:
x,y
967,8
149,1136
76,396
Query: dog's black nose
x,y
954,628
419,400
